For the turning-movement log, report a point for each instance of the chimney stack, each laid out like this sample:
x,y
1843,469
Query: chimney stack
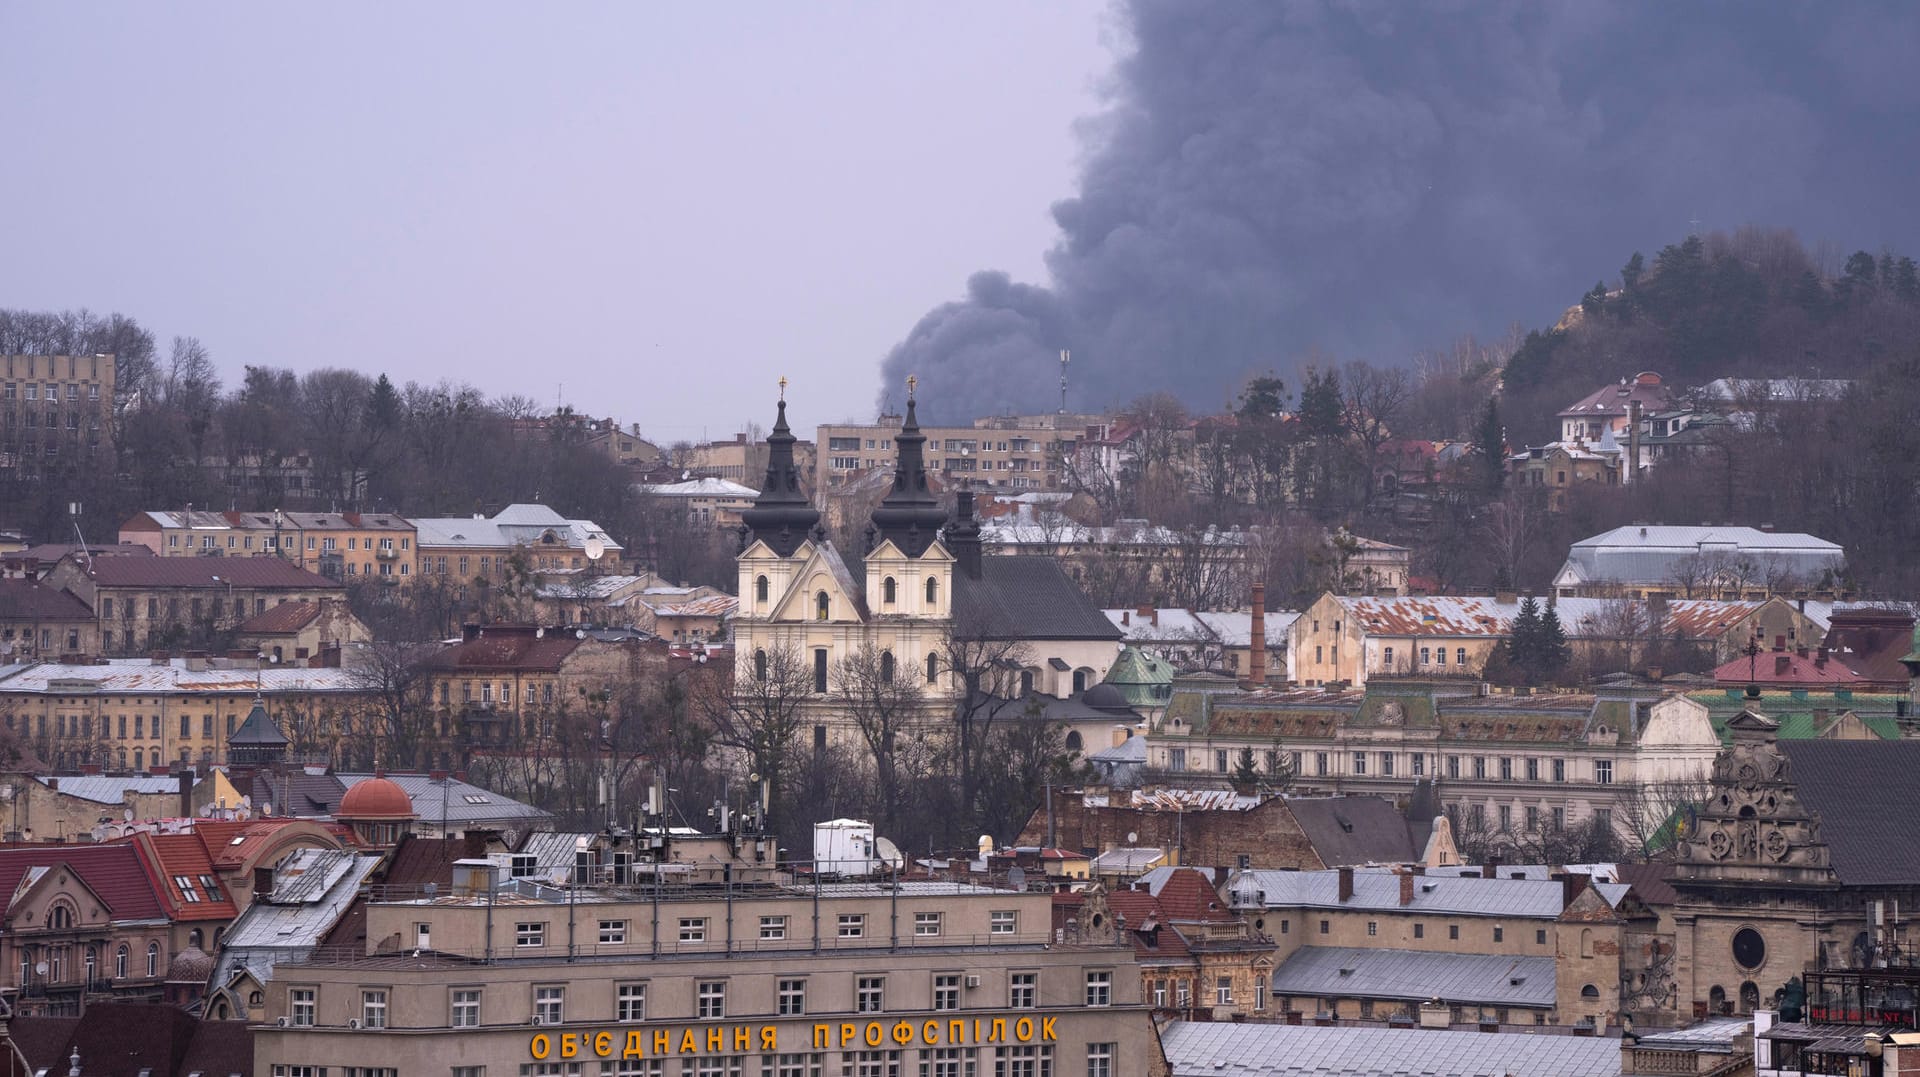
x,y
1257,640
1570,886
1346,884
1406,887
186,792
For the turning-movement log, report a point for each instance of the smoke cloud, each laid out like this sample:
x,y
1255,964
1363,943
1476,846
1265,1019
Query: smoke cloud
x,y
1371,178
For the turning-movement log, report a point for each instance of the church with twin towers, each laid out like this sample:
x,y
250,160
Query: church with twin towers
x,y
925,596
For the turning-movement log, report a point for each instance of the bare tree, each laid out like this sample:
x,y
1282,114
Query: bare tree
x,y
761,714
398,728
1513,528
1653,816
1373,401
982,668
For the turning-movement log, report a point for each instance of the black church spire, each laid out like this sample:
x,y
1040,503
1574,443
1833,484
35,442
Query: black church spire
x,y
781,516
910,517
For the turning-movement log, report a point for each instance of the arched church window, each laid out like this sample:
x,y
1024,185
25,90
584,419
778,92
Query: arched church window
x,y
760,589
760,665
933,668
933,591
1026,682
822,606
887,589
886,666
1074,742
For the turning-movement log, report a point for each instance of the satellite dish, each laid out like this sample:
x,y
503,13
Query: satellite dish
x,y
1133,837
40,967
1017,877
127,815
431,889
889,853
579,633
539,633
596,548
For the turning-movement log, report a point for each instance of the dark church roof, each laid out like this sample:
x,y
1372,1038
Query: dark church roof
x,y
259,730
1869,805
782,516
1018,597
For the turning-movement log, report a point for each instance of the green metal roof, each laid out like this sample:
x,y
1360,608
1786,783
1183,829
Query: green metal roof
x,y
1794,709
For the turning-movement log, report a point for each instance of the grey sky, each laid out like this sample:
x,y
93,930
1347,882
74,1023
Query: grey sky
x,y
665,207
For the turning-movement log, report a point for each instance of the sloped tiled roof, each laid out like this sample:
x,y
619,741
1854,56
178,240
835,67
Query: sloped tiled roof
x,y
186,855
452,802
284,619
1868,803
123,1039
29,600
114,871
1354,830
508,647
1028,598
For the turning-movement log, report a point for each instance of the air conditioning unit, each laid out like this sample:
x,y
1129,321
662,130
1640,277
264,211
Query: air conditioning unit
x,y
353,1023
973,981
283,1022
539,1020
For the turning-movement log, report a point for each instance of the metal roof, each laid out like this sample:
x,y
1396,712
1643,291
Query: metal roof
x,y
1449,615
1651,554
512,526
704,487
1440,895
142,675
1416,975
113,788
1209,1049
452,802
268,932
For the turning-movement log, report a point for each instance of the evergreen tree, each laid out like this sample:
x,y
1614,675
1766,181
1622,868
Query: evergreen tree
x,y
1490,449
1631,273
1595,299
1523,640
1553,651
1245,774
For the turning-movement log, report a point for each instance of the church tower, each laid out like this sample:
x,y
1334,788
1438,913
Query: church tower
x,y
909,570
774,533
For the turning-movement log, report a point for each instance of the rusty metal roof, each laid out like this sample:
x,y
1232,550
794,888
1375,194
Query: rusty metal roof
x,y
1449,615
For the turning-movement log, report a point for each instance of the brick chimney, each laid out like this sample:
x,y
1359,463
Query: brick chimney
x,y
1406,887
1782,663
1257,639
1346,884
186,792
1570,886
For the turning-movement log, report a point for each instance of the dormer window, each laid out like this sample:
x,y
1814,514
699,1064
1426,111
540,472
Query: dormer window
x,y
822,606
887,590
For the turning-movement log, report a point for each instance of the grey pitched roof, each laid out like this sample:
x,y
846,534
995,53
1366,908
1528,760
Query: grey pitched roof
x,y
1026,598
1354,830
1542,899
1650,554
1869,805
452,802
113,788
312,890
1416,975
259,729
1207,1049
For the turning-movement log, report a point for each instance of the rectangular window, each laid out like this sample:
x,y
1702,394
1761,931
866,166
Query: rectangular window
x,y
1559,819
1533,819
1100,1059
693,929
1460,655
1320,763
630,1003
1373,927
852,925
1419,931
870,994
1003,922
1453,931
1540,936
1359,762
1419,764
792,998
926,924
773,928
1021,990
533,934
1223,991
711,996
1603,818
1220,760
1499,934
1386,764
1176,759
1326,926
1603,771
1453,766
1533,770
1100,988
300,1002
1506,768
466,1008
613,932
1387,655
946,991
1506,817
550,1004
373,1009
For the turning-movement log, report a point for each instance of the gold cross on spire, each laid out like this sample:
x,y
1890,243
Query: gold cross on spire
x,y
783,387
912,381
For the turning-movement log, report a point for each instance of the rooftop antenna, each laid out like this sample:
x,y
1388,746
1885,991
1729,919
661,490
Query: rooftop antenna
x,y
73,515
1065,358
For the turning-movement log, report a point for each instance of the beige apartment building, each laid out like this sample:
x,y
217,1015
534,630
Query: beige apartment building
x,y
339,545
1019,452
56,412
767,978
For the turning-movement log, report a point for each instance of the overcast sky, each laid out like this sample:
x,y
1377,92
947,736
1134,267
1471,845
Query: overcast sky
x,y
662,207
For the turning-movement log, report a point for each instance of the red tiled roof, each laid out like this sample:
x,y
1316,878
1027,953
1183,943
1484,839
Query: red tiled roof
x,y
1612,400
200,572
27,600
114,871
1794,668
519,647
187,855
284,619
1187,896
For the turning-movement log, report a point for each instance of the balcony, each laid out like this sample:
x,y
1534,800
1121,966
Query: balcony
x,y
387,553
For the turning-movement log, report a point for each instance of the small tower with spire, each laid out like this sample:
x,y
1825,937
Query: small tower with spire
x,y
909,571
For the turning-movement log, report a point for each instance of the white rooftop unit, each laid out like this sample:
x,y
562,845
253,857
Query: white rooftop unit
x,y
848,847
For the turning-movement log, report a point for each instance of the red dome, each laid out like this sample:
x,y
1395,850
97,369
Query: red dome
x,y
375,798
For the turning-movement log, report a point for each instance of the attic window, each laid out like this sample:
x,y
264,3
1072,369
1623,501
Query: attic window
x,y
238,841
476,798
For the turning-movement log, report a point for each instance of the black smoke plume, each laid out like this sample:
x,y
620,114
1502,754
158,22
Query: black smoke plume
x,y
1372,178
